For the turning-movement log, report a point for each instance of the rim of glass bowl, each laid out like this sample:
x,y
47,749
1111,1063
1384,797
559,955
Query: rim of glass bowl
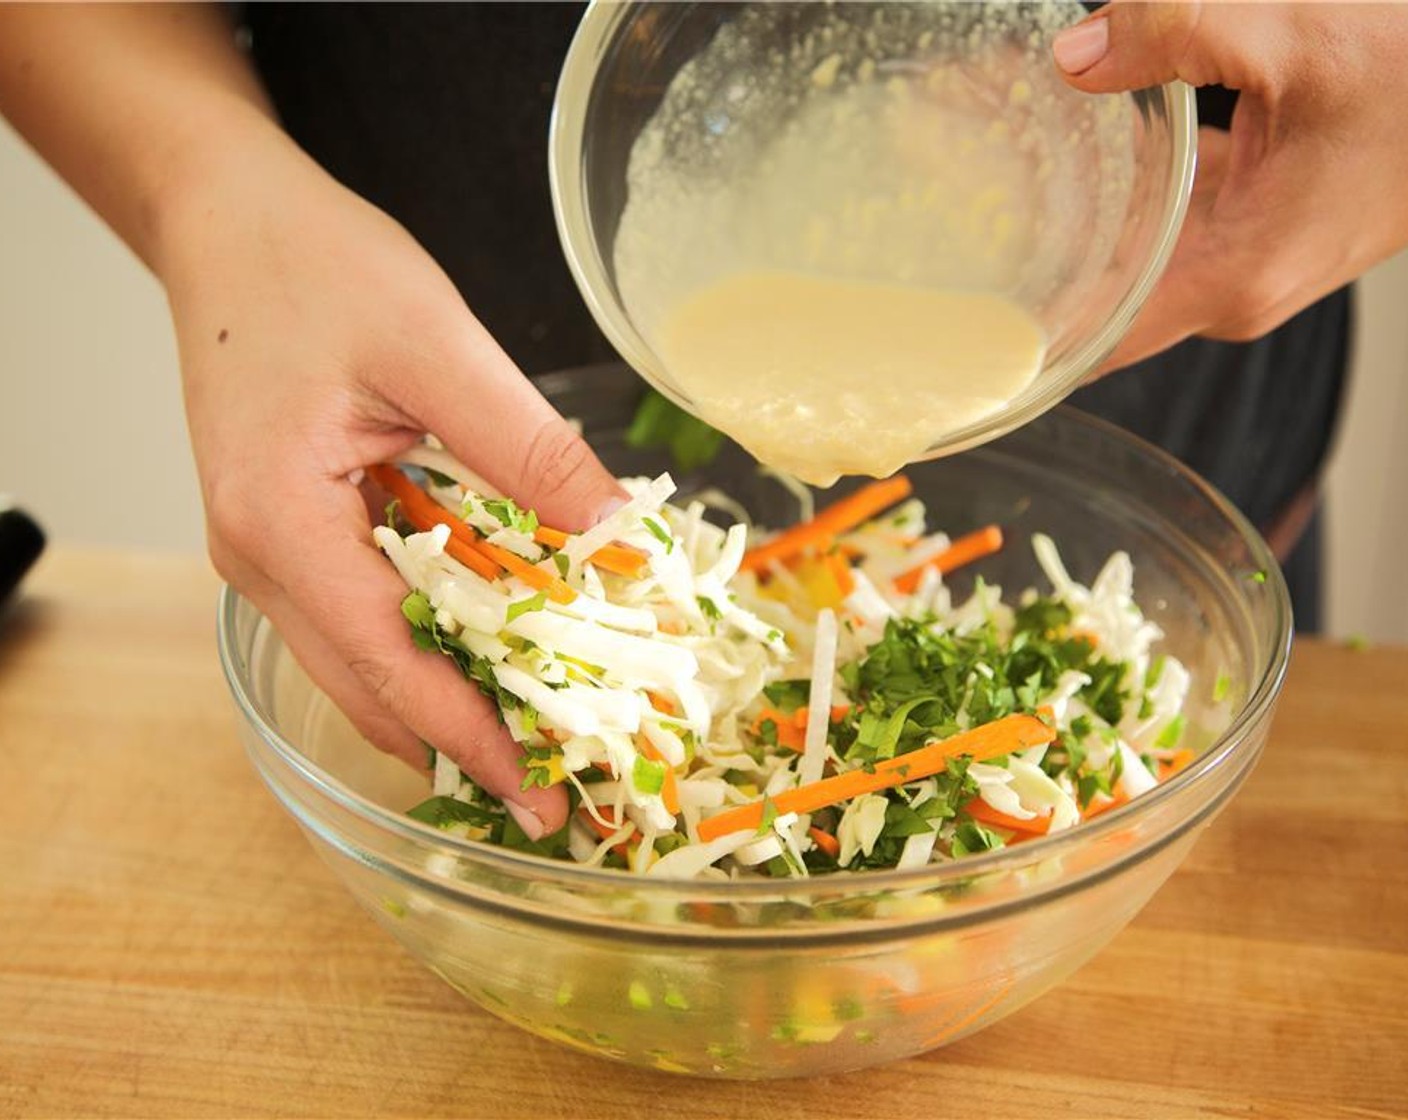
x,y
570,211
565,874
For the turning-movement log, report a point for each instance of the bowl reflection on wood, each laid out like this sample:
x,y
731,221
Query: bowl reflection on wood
x,y
773,978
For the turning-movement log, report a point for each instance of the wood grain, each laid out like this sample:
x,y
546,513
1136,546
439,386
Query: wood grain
x,y
170,945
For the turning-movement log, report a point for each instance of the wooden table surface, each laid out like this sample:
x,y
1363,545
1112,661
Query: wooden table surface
x,y
170,945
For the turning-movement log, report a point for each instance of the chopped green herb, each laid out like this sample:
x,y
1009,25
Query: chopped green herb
x,y
418,611
769,815
526,606
659,532
659,422
446,812
507,513
1221,687
647,775
1172,732
788,696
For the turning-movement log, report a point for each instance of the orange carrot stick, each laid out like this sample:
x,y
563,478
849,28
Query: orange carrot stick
x,y
1003,736
619,558
536,578
826,842
1168,767
605,833
422,511
837,518
1095,808
984,813
966,549
789,733
670,791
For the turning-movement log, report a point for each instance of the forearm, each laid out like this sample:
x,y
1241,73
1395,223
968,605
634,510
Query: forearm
x,y
136,107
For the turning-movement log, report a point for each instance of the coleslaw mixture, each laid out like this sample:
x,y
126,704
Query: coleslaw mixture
x,y
721,702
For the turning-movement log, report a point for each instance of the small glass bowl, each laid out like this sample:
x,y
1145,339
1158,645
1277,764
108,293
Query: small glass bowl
x,y
778,978
1068,204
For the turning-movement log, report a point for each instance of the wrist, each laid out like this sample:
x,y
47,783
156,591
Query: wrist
x,y
219,181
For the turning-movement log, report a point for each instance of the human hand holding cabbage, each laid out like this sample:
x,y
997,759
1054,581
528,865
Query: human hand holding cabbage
x,y
316,339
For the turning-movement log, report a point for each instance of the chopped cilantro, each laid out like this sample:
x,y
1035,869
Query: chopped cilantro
x,y
428,635
1172,732
788,696
1103,694
1155,671
418,611
769,815
1221,687
1042,616
970,837
647,775
446,812
659,422
526,606
1089,784
709,607
507,513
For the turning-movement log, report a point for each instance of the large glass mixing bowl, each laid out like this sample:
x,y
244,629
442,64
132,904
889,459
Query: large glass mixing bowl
x,y
771,978
976,169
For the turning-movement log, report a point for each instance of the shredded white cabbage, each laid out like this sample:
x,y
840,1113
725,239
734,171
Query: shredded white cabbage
x,y
651,695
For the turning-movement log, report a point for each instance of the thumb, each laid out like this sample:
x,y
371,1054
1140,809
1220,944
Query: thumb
x,y
494,421
1132,45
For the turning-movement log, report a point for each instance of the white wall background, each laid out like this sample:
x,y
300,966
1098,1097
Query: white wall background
x,y
92,438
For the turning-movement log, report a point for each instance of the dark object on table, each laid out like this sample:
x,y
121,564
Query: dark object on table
x,y
21,542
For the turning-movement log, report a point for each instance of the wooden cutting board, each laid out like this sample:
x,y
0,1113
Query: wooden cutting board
x,y
170,945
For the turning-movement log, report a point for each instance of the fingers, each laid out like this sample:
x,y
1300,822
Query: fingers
x,y
340,684
1132,45
495,421
337,607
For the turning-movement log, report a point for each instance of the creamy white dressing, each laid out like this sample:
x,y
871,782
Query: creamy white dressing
x,y
820,376
839,254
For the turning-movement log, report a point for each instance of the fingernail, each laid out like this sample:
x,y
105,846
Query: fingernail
x,y
608,507
1079,48
532,827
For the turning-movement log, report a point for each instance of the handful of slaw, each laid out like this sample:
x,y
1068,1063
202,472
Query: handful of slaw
x,y
723,701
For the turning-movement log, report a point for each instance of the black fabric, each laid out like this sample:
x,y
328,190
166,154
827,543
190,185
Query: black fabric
x,y
439,115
